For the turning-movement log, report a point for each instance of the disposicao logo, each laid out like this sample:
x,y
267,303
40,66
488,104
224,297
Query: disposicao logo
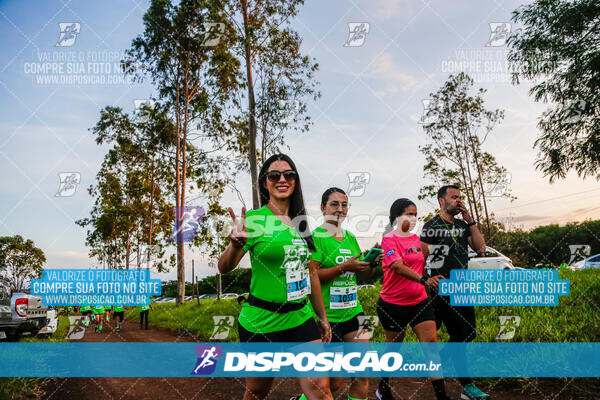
x,y
207,359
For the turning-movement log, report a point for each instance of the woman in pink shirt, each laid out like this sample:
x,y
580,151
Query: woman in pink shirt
x,y
403,300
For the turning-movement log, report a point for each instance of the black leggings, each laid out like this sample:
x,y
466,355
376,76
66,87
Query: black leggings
x,y
460,324
143,316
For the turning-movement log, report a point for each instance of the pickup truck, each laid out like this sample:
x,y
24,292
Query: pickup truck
x,y
21,312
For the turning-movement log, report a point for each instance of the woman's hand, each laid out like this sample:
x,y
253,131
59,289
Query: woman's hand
x,y
353,265
324,329
238,234
379,258
434,281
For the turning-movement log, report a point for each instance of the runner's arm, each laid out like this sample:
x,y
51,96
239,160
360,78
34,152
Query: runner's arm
x,y
405,271
316,299
326,275
230,258
316,296
425,249
476,240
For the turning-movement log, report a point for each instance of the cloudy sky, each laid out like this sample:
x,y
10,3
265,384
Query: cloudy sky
x,y
366,121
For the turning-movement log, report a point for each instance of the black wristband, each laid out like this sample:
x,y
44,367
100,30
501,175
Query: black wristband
x,y
471,224
423,281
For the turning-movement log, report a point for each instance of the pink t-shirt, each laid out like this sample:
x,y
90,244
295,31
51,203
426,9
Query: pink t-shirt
x,y
397,289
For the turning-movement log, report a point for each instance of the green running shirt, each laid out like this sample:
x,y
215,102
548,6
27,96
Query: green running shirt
x,y
279,257
340,295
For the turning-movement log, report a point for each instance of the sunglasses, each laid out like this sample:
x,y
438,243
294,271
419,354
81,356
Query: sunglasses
x,y
275,176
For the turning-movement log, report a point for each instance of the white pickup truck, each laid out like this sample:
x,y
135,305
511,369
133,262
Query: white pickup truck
x,y
21,312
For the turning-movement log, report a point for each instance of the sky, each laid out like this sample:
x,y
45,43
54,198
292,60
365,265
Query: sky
x,y
366,122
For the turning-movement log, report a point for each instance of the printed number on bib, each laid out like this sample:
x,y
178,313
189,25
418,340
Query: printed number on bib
x,y
342,297
297,283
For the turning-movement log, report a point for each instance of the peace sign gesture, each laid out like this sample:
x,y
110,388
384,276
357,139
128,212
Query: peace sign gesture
x,y
238,234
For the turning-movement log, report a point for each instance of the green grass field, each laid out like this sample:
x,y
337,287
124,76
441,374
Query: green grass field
x,y
575,319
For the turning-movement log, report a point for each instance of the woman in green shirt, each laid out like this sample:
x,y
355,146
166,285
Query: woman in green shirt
x,y
277,238
99,316
336,260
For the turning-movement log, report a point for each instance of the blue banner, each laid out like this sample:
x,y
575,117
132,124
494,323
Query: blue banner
x,y
96,287
222,359
492,287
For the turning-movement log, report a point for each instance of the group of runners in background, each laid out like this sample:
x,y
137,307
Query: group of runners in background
x,y
99,314
291,265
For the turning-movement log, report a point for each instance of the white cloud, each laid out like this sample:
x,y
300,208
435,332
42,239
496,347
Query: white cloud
x,y
388,9
391,76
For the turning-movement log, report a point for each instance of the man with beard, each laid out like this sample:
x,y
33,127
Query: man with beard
x,y
453,237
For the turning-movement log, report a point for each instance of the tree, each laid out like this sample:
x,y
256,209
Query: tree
x,y
132,212
457,125
20,261
274,80
548,244
192,79
558,49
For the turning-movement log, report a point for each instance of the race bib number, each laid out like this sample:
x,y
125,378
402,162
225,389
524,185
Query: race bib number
x,y
341,297
297,283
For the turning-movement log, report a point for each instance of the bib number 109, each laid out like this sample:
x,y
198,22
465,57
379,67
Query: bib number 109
x,y
297,284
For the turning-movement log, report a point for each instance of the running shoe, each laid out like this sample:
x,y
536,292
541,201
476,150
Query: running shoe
x,y
471,392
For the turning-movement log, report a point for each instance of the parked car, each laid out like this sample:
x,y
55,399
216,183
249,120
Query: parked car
x,y
21,313
590,262
52,324
490,259
229,296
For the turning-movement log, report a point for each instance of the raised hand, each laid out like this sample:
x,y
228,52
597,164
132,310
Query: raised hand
x,y
238,234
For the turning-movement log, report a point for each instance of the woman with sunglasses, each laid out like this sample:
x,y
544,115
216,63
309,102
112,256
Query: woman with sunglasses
x,y
277,238
403,300
336,259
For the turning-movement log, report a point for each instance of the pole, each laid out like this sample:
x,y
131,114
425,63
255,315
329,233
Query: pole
x,y
218,286
193,291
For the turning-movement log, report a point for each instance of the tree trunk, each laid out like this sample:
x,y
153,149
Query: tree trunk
x,y
470,185
150,214
480,176
127,252
178,205
251,109
181,264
